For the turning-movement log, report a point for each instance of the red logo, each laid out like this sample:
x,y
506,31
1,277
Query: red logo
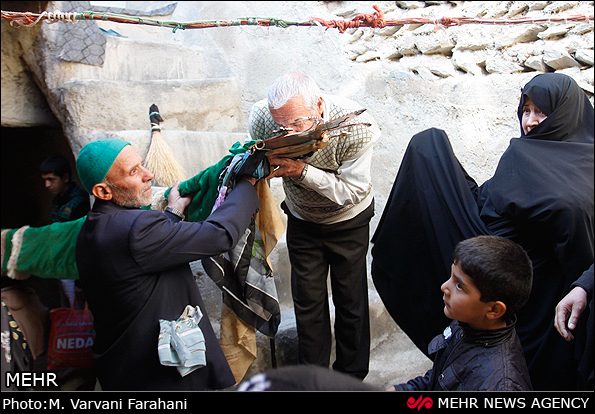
x,y
420,403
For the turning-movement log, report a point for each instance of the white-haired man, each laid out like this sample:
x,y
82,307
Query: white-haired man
x,y
329,204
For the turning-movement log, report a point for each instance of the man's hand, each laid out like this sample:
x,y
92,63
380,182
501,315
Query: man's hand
x,y
574,303
175,200
285,167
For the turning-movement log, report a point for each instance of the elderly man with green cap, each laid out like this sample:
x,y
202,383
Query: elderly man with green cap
x,y
134,269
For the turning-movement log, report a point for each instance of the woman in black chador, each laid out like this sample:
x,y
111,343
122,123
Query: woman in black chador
x,y
541,196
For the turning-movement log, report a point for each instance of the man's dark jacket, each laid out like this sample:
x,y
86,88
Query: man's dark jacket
x,y
134,270
466,359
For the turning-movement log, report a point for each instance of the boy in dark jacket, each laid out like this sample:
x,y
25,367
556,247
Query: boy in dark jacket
x,y
490,280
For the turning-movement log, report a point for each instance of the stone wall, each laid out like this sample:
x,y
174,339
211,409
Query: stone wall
x,y
479,48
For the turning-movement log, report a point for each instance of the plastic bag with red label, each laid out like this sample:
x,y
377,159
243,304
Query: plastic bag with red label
x,y
71,337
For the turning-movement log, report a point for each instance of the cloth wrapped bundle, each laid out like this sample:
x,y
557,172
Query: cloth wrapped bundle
x,y
181,342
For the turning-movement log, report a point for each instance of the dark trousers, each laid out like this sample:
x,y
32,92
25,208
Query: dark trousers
x,y
314,249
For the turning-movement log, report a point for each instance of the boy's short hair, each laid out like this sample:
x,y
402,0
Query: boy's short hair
x,y
57,165
501,270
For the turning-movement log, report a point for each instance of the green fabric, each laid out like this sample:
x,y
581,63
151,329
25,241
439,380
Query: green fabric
x,y
95,159
48,251
58,258
204,185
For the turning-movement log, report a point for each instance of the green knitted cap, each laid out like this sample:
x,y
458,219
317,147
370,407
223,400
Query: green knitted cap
x,y
95,160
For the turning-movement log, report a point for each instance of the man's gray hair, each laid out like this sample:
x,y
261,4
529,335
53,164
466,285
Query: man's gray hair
x,y
290,85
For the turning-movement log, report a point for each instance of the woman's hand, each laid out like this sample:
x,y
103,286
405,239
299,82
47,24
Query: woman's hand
x,y
574,303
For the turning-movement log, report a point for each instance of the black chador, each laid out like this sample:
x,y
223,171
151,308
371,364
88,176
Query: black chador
x,y
541,196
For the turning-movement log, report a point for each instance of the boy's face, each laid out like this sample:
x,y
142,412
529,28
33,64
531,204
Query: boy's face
x,y
462,300
56,184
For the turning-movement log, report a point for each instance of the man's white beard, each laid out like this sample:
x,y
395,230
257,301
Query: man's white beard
x,y
126,198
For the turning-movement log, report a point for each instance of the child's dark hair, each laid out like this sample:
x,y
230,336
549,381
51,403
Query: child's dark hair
x,y
57,165
501,270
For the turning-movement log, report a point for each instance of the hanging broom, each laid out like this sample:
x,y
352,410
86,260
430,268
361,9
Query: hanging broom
x,y
160,159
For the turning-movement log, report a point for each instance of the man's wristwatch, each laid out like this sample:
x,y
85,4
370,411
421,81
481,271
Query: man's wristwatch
x,y
175,212
304,171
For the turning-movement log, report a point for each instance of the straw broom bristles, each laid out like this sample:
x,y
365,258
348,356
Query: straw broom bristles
x,y
160,159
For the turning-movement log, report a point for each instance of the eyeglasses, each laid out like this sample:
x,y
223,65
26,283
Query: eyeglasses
x,y
303,124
